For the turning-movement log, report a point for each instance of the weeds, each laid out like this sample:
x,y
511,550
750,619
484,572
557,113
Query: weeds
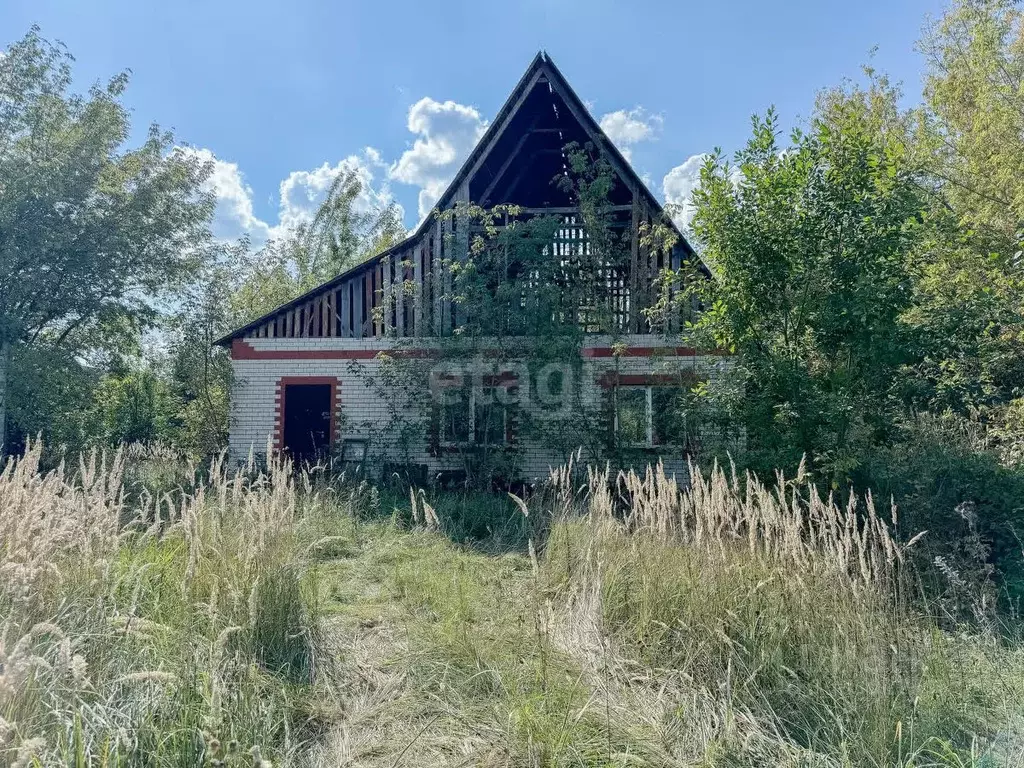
x,y
130,631
261,617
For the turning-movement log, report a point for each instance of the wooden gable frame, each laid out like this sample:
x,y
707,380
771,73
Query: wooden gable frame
x,y
373,298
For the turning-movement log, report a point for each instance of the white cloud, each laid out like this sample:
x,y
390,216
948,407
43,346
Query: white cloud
x,y
301,194
303,191
678,186
447,131
626,128
234,216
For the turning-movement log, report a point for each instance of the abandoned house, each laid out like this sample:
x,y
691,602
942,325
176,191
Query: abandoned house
x,y
308,376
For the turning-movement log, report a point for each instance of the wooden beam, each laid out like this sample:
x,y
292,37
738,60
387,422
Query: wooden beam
x,y
525,168
634,264
438,268
568,210
367,325
486,196
387,296
647,272
508,120
399,291
584,121
446,279
344,327
357,307
418,285
462,242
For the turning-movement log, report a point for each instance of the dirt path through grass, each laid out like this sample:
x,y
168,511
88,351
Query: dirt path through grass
x,y
442,655
393,707
448,657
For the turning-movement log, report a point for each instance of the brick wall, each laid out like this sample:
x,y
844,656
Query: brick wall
x,y
261,364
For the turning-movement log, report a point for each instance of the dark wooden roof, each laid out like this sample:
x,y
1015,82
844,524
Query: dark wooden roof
x,y
541,69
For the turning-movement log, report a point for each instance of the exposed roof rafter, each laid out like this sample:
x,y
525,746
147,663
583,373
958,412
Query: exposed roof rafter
x,y
541,70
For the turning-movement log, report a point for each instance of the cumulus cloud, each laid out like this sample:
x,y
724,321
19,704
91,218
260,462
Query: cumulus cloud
x,y
303,191
678,186
233,216
446,132
301,194
626,128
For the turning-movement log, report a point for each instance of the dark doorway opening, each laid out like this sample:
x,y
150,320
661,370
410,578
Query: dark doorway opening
x,y
307,421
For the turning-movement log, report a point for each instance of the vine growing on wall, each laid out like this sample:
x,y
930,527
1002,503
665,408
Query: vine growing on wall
x,y
522,294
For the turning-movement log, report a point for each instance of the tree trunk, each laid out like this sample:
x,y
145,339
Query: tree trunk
x,y
5,363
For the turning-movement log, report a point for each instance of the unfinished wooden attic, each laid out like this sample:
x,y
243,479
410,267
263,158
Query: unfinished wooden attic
x,y
514,163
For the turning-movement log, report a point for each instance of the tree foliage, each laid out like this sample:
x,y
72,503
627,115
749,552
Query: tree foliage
x,y
969,305
91,233
347,230
868,278
809,245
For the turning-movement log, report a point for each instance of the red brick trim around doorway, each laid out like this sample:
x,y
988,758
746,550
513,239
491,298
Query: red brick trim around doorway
x,y
284,381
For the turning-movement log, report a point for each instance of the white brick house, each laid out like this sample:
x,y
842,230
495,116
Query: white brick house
x,y
303,372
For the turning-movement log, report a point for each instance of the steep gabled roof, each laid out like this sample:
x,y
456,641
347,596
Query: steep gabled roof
x,y
541,69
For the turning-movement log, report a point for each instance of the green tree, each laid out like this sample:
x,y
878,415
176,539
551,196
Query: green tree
x,y
200,374
91,233
969,302
346,230
809,246
132,405
974,95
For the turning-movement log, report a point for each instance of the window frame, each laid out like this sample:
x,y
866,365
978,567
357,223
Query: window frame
x,y
648,415
471,441
454,441
504,416
651,440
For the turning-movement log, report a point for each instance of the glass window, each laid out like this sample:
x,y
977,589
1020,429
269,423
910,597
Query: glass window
x,y
489,414
650,416
668,416
455,418
472,415
632,415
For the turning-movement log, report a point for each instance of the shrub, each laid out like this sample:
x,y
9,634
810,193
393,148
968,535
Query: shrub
x,y
947,481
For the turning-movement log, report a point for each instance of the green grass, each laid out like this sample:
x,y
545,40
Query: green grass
x,y
158,644
485,679
321,625
633,649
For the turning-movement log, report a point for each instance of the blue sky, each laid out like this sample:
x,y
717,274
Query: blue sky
x,y
285,94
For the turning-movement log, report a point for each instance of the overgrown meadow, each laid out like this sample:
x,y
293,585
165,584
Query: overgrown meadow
x,y
156,613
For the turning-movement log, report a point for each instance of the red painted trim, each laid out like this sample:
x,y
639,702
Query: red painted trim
x,y
279,401
243,350
611,379
644,352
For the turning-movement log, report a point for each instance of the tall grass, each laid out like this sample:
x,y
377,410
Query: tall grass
x,y
177,628
153,614
796,616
